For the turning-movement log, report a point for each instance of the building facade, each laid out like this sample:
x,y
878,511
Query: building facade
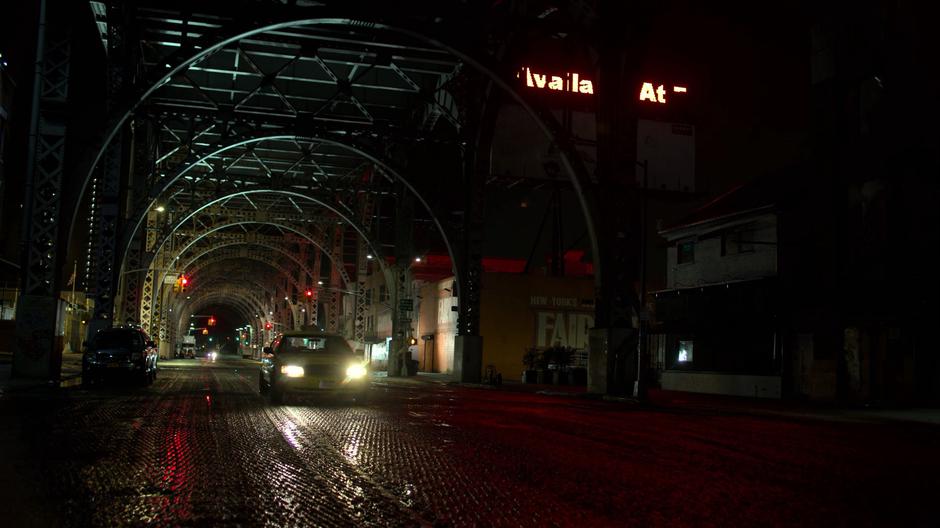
x,y
715,328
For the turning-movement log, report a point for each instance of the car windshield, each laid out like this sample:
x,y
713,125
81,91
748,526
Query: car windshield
x,y
117,339
314,345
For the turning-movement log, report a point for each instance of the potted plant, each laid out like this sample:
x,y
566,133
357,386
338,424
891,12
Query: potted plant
x,y
561,358
531,362
544,367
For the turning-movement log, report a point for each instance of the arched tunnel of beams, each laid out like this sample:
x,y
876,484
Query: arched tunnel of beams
x,y
247,287
223,192
245,306
192,253
232,268
215,241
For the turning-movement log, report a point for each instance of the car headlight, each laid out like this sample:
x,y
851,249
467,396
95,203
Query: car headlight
x,y
292,371
355,371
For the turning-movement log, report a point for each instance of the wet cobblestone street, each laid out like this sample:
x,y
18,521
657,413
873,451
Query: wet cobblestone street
x,y
201,447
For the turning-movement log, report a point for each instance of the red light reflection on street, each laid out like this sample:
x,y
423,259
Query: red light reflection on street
x,y
177,464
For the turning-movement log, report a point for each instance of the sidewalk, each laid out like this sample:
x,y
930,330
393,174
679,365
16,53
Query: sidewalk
x,y
71,375
688,402
814,410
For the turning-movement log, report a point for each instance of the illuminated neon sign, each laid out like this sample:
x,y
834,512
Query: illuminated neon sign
x,y
658,94
569,82
577,83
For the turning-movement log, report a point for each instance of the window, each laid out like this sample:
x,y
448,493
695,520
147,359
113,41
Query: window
x,y
685,252
685,352
737,242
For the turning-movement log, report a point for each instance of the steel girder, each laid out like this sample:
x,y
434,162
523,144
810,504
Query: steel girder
x,y
230,286
36,308
194,246
108,191
293,31
301,27
233,190
233,288
362,269
248,255
397,72
315,301
230,250
240,306
248,306
334,305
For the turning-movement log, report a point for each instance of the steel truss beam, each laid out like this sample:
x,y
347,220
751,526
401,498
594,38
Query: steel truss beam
x,y
36,307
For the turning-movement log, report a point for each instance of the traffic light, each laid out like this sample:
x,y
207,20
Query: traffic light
x,y
181,282
268,326
205,331
309,293
212,320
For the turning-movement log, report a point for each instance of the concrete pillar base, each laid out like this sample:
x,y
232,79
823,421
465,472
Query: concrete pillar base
x,y
394,366
468,358
612,361
35,355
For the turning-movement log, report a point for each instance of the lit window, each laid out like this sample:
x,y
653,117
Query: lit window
x,y
685,252
685,351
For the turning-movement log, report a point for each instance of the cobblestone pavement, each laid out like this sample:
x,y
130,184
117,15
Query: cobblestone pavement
x,y
201,447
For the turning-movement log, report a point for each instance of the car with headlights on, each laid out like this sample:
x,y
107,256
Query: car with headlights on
x,y
312,362
123,352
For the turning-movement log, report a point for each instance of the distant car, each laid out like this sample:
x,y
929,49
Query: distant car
x,y
119,353
311,362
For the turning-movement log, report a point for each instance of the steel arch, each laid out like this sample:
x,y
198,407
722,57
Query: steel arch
x,y
545,122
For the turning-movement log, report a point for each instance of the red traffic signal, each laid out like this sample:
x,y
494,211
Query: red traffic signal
x,y
212,320
309,293
267,326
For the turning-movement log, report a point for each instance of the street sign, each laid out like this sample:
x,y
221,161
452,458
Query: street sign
x,y
406,305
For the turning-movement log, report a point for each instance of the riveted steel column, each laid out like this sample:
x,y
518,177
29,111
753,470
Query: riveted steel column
x,y
149,287
401,283
108,192
362,270
614,341
36,354
468,343
334,307
130,283
315,301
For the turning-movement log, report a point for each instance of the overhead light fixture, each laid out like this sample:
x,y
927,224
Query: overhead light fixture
x,y
417,259
160,209
369,256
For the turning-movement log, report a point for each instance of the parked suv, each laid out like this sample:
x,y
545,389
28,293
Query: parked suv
x,y
119,353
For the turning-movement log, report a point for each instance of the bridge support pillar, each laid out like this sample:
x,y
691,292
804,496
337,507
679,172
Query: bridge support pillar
x,y
614,342
37,353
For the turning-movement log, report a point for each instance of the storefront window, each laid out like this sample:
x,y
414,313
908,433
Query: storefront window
x,y
685,352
